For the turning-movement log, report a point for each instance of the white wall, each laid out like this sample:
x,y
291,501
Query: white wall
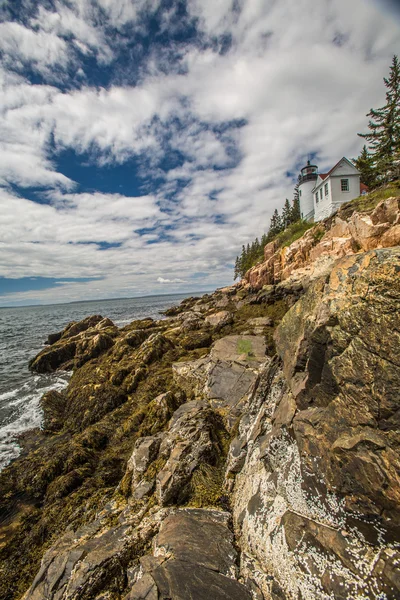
x,y
306,198
323,208
339,197
335,198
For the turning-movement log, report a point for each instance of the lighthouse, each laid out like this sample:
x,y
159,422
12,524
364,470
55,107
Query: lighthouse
x,y
307,179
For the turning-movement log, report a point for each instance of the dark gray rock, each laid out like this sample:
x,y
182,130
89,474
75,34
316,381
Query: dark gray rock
x,y
194,559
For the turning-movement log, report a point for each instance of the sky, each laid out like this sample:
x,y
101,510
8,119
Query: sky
x,y
142,142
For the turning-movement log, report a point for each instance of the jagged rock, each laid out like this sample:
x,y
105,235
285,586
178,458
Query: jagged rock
x,y
286,521
343,367
54,358
81,562
150,350
188,443
315,252
92,561
53,404
74,328
53,337
146,449
196,339
194,558
260,321
190,321
227,375
77,343
219,319
314,455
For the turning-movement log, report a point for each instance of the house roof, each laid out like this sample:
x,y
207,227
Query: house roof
x,y
338,162
323,176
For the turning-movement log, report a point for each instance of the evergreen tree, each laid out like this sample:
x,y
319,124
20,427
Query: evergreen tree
x,y
236,271
365,164
286,218
275,226
384,125
296,215
296,193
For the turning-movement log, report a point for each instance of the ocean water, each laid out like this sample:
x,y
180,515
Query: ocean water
x,y
23,331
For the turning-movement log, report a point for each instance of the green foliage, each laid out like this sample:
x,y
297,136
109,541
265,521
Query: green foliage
x,y
365,164
253,253
384,132
292,233
368,202
207,486
244,347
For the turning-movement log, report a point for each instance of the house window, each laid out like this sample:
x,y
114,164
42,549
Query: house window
x,y
316,197
344,183
320,194
326,189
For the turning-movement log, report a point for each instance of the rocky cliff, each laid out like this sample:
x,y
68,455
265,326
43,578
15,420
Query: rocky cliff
x,y
244,447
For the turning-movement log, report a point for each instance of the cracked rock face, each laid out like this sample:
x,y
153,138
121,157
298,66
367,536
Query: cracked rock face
x,y
227,375
193,558
188,443
310,256
315,499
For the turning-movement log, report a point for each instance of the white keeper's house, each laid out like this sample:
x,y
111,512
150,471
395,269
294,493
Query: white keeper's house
x,y
321,194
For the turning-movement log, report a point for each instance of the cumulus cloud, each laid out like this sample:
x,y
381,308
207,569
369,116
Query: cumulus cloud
x,y
218,126
38,49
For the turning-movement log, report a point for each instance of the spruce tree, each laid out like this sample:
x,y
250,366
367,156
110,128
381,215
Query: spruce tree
x,y
365,164
236,271
296,193
275,226
384,126
296,214
286,214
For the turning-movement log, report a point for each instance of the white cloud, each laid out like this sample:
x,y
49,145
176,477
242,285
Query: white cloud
x,y
78,22
162,280
40,49
297,78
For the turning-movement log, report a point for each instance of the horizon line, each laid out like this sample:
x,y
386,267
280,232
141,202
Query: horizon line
x,y
108,299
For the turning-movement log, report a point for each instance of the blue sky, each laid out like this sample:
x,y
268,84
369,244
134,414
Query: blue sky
x,y
144,141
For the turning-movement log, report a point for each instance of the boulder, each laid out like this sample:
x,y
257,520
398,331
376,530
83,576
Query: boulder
x,y
193,556
219,319
227,375
186,445
75,345
53,404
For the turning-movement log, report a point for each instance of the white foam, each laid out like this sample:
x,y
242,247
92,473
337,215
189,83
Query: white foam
x,y
27,414
8,395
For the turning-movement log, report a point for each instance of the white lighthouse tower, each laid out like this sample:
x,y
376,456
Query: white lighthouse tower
x,y
307,179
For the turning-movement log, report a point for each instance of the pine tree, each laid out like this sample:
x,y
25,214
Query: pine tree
x,y
296,214
286,214
275,226
365,164
296,193
236,271
384,125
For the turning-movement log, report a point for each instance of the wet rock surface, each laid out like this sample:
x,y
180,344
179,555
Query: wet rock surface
x,y
246,446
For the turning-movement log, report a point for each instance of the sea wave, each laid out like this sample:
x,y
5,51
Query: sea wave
x,y
25,412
